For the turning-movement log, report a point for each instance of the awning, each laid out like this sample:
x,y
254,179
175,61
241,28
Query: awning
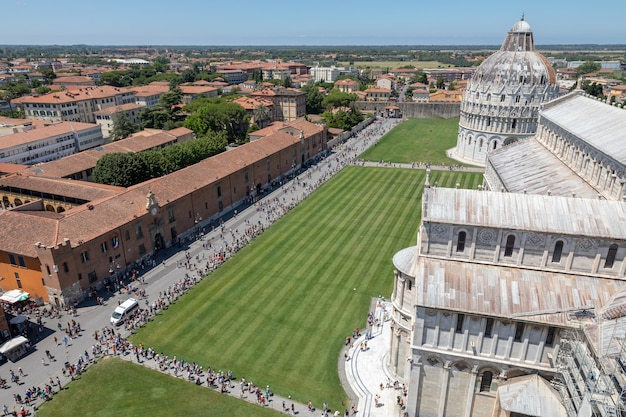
x,y
14,296
12,344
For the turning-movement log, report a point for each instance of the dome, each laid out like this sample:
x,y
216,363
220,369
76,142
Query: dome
x,y
516,61
521,26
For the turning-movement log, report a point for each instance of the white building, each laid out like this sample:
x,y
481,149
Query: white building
x,y
105,117
513,301
502,99
49,142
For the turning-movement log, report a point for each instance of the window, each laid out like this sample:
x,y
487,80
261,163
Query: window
x,y
127,235
245,176
48,269
84,256
20,260
12,259
170,214
550,336
92,277
510,244
17,280
558,251
80,276
489,327
104,246
142,249
610,256
409,284
514,123
519,332
460,242
502,98
485,381
219,190
65,267
138,231
459,322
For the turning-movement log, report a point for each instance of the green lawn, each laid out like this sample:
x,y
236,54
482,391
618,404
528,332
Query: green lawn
x,y
114,388
417,140
279,311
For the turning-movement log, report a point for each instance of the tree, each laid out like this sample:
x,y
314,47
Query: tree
x,y
188,76
261,114
440,83
337,98
121,169
587,67
122,127
171,98
314,99
220,116
161,64
286,82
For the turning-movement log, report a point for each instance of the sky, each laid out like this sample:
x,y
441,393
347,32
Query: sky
x,y
305,22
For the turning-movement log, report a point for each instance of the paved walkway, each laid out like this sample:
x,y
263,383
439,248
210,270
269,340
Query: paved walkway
x,y
92,317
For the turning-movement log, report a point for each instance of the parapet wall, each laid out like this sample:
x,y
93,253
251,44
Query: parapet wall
x,y
415,110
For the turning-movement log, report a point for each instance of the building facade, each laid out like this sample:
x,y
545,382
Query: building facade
x,y
512,302
502,100
107,229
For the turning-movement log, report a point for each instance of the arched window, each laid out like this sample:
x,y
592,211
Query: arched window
x,y
485,381
502,97
558,251
610,256
514,124
495,144
510,244
460,242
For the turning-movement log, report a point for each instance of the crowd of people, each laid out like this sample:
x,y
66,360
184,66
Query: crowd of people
x,y
216,250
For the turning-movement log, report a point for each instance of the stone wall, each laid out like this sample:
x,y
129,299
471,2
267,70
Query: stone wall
x,y
415,110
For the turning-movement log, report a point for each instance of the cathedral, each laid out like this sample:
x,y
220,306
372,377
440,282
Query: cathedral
x,y
503,97
512,303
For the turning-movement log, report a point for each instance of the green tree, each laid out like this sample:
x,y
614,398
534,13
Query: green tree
x,y
286,82
337,98
188,76
220,116
314,99
161,64
587,67
261,114
121,169
122,127
440,83
171,98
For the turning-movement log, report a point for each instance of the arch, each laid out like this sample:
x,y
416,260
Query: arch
x,y
434,361
50,207
461,365
488,97
60,209
610,256
460,241
5,201
509,140
509,246
17,202
495,145
558,251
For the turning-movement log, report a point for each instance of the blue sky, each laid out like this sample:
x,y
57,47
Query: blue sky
x,y
299,22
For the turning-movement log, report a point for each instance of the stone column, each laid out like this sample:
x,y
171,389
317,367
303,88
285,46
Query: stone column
x,y
469,400
444,389
414,387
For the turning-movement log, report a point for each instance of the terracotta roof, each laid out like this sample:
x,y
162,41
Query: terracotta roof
x,y
120,108
77,94
79,190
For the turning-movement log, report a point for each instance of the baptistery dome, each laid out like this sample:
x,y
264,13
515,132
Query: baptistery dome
x,y
502,100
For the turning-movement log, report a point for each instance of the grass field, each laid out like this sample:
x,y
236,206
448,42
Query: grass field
x,y
139,391
278,312
417,140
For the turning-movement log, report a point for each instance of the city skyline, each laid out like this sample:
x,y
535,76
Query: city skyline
x,y
69,22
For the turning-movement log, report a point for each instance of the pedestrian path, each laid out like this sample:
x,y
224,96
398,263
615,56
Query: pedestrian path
x,y
366,370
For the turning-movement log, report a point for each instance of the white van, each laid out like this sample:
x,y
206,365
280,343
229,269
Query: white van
x,y
123,311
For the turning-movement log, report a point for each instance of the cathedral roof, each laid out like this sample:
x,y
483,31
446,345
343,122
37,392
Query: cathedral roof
x,y
529,212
